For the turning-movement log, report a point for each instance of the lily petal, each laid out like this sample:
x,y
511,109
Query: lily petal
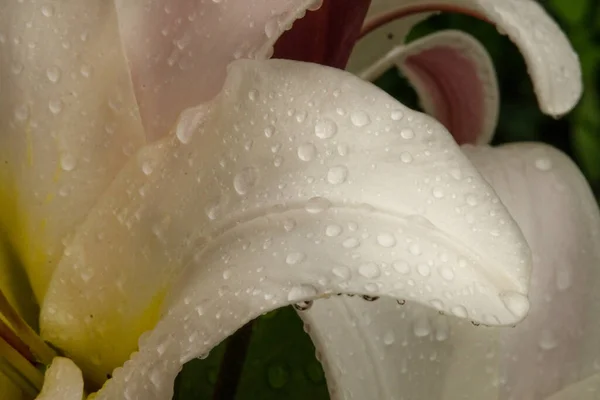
x,y
297,181
63,381
325,36
542,355
552,63
68,119
455,79
179,51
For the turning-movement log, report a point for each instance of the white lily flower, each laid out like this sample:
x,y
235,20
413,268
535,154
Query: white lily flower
x,y
279,182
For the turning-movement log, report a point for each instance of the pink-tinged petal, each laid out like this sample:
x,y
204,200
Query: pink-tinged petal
x,y
552,63
297,181
68,123
554,206
179,51
455,79
63,381
409,352
325,36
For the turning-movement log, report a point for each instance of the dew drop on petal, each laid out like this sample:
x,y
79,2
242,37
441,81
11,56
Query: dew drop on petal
x,y
401,267
53,74
317,205
337,175
325,128
341,272
360,119
407,133
245,180
295,258
547,340
388,338
424,270
369,270
386,240
406,158
421,326
307,151
67,162
333,230
460,311
301,292
55,106
397,115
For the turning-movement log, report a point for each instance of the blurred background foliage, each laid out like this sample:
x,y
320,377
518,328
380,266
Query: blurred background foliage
x,y
273,358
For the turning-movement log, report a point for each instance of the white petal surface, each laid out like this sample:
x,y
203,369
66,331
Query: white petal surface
x,y
63,381
298,181
552,63
455,80
68,119
179,50
409,352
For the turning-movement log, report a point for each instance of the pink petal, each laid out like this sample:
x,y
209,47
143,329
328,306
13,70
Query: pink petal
x,y
456,82
326,36
551,61
178,51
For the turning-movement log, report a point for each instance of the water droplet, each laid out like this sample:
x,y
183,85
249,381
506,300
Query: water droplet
x,y
213,210
333,230
564,279
147,167
360,118
414,249
438,193
543,164
253,94
471,200
386,240
388,338
424,270
47,10
407,133
53,74
67,162
421,326
269,131
401,267
307,151
55,106
548,340
325,128
406,157
460,311
369,270
301,292
85,70
337,175
245,180
295,258
227,274
341,272
317,205
351,243
289,225
397,115
447,273
516,303
271,27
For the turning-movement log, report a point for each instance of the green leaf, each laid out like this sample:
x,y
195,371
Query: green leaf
x,y
281,362
570,11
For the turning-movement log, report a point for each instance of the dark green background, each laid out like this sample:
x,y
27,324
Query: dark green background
x,y
280,363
